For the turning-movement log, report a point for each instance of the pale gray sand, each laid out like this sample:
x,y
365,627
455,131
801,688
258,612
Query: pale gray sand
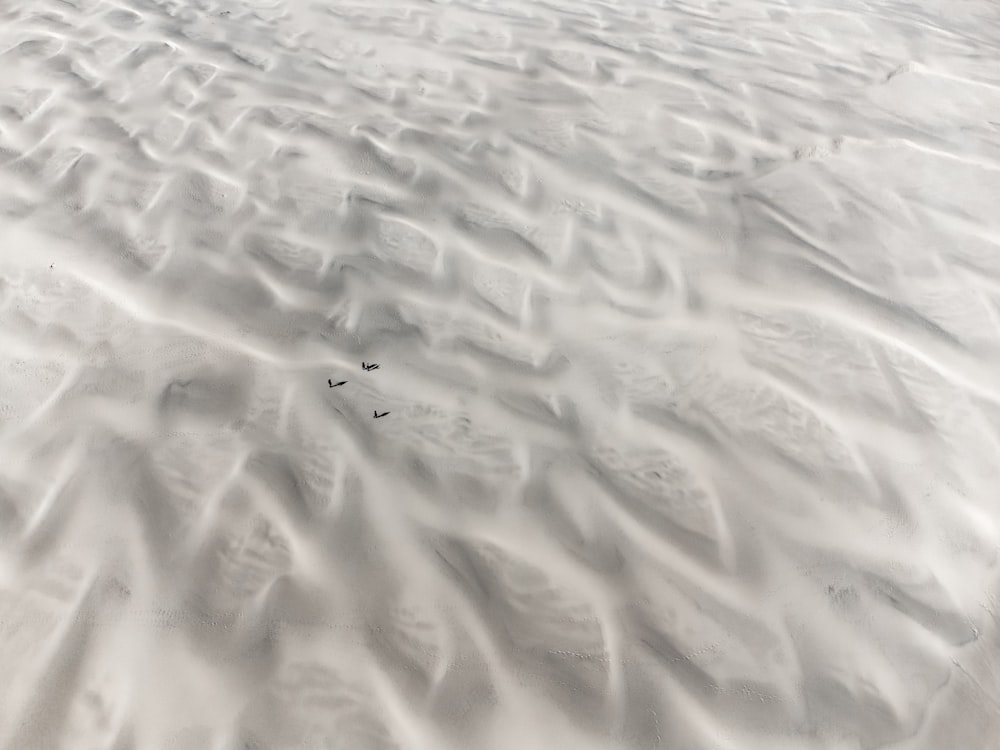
x,y
687,318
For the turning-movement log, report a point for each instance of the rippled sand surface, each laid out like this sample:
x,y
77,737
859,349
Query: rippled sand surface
x,y
685,430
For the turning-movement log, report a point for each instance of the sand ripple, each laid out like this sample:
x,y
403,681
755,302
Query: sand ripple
x,y
685,430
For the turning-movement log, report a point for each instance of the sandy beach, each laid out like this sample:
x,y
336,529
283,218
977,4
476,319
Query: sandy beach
x,y
523,375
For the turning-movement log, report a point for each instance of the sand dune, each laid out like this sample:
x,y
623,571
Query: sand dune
x,y
685,429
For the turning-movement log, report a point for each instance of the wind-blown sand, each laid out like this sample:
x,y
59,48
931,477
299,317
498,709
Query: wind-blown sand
x,y
687,318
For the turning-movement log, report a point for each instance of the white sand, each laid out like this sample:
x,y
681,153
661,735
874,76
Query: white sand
x,y
687,318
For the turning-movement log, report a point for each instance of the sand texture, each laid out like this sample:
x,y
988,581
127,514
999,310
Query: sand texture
x,y
684,432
